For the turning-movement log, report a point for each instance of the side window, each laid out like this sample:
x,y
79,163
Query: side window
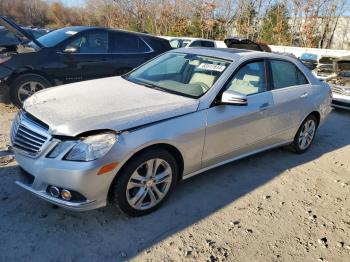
x,y
90,43
250,79
208,44
285,74
175,43
196,44
127,43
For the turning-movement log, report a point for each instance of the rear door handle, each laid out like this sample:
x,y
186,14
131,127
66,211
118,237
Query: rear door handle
x,y
304,95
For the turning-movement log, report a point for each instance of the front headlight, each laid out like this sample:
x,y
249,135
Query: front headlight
x,y
92,147
86,149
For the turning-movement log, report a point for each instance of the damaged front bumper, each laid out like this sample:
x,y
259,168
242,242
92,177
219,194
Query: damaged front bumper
x,y
341,97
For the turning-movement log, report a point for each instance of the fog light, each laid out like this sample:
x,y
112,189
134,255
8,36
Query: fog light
x,y
54,191
66,195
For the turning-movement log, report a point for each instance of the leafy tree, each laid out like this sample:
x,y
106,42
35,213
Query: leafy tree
x,y
245,22
275,28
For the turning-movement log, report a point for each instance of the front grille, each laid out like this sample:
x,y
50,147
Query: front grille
x,y
339,90
28,136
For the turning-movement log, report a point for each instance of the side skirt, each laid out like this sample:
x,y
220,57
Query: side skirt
x,y
235,158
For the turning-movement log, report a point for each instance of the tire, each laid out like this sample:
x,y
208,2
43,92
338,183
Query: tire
x,y
138,197
302,141
26,85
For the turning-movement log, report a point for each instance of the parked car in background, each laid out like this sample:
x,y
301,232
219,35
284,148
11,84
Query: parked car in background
x,y
179,42
309,60
324,68
9,42
128,140
72,54
244,43
340,82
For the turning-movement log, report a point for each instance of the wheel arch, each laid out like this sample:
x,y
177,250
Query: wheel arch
x,y
170,148
315,114
27,71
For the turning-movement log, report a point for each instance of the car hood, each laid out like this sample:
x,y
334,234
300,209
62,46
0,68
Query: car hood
x,y
326,60
21,34
343,64
110,103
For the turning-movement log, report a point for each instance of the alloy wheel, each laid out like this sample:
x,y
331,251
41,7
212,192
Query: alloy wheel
x,y
149,184
27,89
307,134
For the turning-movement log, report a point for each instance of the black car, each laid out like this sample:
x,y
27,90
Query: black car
x,y
244,43
72,54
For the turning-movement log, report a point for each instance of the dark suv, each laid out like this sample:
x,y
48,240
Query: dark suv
x,y
71,54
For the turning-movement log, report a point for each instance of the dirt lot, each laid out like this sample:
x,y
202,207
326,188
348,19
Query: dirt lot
x,y
276,206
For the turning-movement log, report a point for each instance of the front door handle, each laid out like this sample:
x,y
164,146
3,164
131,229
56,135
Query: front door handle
x,y
304,95
264,106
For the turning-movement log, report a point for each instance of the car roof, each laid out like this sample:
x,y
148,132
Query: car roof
x,y
83,28
231,53
225,53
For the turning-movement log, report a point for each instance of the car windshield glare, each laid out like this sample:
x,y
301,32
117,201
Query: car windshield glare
x,y
55,37
188,75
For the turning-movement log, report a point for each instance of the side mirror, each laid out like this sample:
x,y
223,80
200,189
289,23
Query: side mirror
x,y
71,49
233,98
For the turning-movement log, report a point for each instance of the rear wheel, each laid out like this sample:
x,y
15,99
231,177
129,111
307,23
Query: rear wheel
x,y
305,135
145,182
26,85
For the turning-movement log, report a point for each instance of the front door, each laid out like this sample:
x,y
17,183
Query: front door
x,y
236,130
88,56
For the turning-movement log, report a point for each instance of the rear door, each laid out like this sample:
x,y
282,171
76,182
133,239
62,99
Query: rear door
x,y
291,95
234,130
127,51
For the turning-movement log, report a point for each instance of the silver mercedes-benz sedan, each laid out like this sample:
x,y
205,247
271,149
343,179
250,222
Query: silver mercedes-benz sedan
x,y
128,140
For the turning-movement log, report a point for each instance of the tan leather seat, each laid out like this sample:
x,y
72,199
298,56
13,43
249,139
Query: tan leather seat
x,y
243,87
204,78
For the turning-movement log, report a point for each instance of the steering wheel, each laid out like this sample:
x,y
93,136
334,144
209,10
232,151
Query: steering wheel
x,y
204,86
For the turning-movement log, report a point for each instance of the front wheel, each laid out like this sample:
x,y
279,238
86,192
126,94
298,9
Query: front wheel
x,y
305,135
145,182
26,85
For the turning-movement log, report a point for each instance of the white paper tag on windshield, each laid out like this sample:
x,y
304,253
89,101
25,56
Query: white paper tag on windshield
x,y
71,32
212,67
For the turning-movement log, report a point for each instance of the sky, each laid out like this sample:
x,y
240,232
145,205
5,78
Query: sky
x,y
73,2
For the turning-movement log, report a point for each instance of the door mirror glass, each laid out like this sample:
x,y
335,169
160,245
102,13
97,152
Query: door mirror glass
x,y
233,98
71,49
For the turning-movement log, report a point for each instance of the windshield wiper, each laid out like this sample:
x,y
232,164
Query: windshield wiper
x,y
146,84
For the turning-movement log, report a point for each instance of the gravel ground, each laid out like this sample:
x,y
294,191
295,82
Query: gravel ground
x,y
275,206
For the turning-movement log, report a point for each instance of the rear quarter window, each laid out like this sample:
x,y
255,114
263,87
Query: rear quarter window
x,y
127,43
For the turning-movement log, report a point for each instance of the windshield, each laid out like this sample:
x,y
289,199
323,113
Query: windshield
x,y
184,74
55,37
